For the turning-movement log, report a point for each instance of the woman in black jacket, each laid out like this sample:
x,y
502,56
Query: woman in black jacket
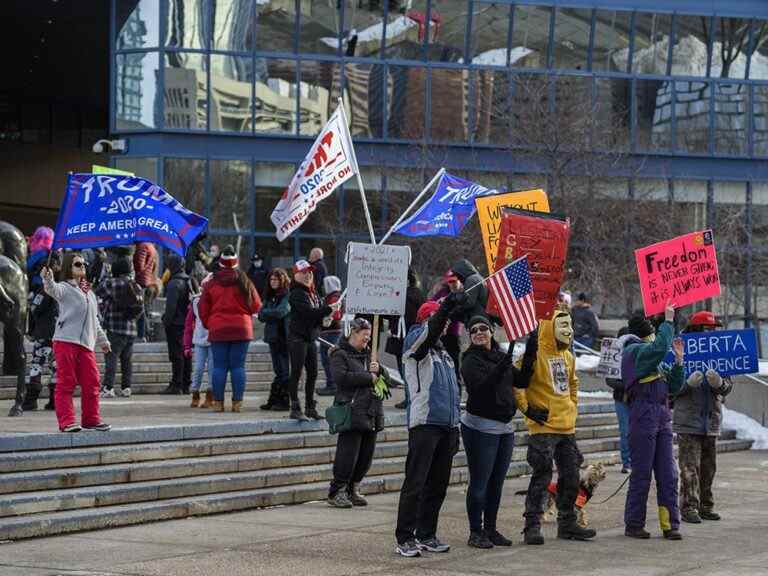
x,y
307,313
355,376
486,425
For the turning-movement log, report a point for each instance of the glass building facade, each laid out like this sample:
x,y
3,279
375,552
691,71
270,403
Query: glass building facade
x,y
220,100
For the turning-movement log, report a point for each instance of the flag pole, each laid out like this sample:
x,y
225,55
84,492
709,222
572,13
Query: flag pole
x,y
357,173
484,280
400,220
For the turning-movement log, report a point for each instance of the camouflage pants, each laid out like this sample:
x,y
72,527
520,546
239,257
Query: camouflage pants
x,y
698,463
42,354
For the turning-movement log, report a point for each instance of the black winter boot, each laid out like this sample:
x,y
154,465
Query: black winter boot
x,y
296,413
573,531
34,388
51,400
532,535
312,412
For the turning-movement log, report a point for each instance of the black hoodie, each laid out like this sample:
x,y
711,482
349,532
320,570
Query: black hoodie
x,y
477,298
176,292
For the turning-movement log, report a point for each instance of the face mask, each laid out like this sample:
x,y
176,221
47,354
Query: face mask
x,y
563,329
257,263
650,338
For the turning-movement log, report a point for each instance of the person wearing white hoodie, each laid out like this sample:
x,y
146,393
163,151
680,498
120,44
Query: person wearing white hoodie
x,y
197,347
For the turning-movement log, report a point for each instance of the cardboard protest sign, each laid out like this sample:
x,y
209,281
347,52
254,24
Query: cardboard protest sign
x,y
489,210
544,239
377,278
610,359
728,352
682,270
96,169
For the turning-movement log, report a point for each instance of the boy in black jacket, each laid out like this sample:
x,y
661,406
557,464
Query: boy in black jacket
x,y
307,313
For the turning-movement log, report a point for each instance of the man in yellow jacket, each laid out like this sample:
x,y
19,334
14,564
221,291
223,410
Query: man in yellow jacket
x,y
549,404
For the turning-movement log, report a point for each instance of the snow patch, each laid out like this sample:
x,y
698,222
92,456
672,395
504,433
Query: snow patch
x,y
746,428
395,28
587,362
595,394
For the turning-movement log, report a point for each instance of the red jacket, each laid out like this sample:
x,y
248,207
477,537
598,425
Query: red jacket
x,y
145,264
224,311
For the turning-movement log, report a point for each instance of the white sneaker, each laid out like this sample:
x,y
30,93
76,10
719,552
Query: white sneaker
x,y
108,393
125,393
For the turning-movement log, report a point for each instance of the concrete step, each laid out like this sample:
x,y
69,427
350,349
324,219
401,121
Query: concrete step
x,y
208,481
61,522
259,456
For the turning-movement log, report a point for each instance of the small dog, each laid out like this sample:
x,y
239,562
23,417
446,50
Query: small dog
x,y
590,478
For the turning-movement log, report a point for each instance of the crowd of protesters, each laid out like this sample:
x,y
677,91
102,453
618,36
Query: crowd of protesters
x,y
82,302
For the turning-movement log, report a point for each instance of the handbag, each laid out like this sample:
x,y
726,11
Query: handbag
x,y
339,417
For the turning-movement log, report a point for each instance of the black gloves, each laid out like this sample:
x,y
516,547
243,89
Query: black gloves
x,y
532,346
538,415
454,300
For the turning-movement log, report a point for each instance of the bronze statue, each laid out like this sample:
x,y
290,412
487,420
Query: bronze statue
x,y
13,315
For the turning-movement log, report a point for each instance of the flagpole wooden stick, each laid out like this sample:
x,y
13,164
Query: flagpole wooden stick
x,y
375,340
402,217
357,174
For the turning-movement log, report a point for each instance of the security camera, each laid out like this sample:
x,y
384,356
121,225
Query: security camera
x,y
114,145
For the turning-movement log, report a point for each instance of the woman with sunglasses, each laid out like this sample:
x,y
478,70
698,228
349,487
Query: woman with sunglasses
x,y
356,378
77,334
486,425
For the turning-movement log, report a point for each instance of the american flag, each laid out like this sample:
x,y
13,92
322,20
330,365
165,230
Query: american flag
x,y
512,289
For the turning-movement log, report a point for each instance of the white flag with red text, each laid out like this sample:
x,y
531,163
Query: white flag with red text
x,y
329,164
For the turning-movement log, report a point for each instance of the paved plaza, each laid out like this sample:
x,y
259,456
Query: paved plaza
x,y
312,538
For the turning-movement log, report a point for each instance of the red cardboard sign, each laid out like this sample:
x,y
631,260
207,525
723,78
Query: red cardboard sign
x,y
682,270
544,238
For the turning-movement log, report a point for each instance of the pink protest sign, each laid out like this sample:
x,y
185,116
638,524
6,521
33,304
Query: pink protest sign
x,y
682,270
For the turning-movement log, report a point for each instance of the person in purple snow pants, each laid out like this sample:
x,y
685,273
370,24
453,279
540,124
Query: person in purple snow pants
x,y
650,422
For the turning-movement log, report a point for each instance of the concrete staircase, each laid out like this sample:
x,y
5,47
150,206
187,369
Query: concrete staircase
x,y
59,483
151,370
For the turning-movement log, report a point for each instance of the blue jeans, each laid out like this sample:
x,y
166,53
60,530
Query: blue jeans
x,y
622,413
229,357
333,338
201,355
488,458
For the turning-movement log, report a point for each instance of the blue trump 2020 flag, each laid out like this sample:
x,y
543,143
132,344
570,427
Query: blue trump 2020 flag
x,y
109,210
447,211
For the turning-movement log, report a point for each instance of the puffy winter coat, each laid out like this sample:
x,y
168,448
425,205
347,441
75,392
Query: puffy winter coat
x,y
176,293
489,377
700,410
195,334
223,309
145,264
554,385
640,367
307,313
275,315
433,391
354,384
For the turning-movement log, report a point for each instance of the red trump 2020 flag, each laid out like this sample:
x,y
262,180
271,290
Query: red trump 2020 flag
x,y
512,289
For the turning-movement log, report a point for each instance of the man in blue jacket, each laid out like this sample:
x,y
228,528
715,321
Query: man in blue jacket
x,y
433,429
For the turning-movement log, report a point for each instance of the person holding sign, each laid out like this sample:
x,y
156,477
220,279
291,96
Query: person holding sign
x,y
357,377
306,319
697,418
550,407
650,422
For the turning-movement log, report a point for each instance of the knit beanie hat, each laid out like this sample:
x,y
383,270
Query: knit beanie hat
x,y
478,319
228,258
640,326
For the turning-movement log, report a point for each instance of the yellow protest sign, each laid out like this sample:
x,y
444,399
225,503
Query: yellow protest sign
x,y
96,169
489,211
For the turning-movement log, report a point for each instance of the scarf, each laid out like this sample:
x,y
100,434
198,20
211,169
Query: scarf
x,y
85,286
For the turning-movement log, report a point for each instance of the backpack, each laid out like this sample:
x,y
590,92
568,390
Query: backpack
x,y
132,300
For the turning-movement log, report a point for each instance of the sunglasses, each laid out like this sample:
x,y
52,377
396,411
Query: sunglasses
x,y
479,329
78,264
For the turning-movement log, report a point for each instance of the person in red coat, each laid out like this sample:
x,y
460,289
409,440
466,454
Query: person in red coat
x,y
229,300
145,266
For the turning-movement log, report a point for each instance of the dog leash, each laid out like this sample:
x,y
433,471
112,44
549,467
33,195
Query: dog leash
x,y
615,492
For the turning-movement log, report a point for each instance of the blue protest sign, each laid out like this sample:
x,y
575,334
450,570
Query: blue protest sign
x,y
728,352
448,209
112,210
